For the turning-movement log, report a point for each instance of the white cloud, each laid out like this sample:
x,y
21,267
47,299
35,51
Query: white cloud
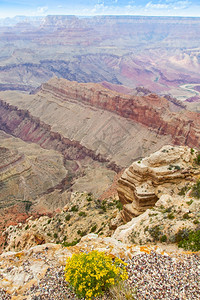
x,y
156,6
42,10
168,4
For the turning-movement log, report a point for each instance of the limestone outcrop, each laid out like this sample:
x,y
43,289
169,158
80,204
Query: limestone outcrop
x,y
164,171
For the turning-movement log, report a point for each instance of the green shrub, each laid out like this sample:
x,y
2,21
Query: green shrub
x,y
182,234
94,228
67,218
82,214
170,216
73,243
184,190
163,238
90,275
189,202
197,159
196,190
119,205
191,242
55,235
89,199
196,221
81,233
74,208
186,216
155,232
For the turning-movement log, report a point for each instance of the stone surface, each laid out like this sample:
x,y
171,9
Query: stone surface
x,y
164,171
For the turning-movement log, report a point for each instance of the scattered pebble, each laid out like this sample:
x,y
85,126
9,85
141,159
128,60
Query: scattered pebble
x,y
154,277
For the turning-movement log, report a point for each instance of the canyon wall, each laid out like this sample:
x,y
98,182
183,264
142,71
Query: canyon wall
x,y
151,110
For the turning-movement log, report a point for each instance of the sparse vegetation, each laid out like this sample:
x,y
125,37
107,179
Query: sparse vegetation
x,y
184,190
163,238
94,228
196,190
191,241
155,232
171,216
67,217
74,208
197,158
82,214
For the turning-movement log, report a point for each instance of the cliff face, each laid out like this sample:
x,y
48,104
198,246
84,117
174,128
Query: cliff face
x,y
21,124
164,171
81,118
151,110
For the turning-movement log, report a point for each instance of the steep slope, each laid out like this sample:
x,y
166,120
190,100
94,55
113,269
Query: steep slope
x,y
88,116
141,185
160,194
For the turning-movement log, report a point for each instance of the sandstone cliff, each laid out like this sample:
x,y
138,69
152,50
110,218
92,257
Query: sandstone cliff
x,y
157,196
141,185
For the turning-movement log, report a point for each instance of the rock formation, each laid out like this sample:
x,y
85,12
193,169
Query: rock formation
x,y
27,171
141,185
151,110
96,130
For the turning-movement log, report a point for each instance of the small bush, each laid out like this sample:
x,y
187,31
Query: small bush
x,y
73,243
67,218
177,167
82,214
196,190
92,274
170,216
184,190
89,199
182,234
191,242
186,216
94,228
155,232
189,202
197,159
163,238
55,235
119,205
74,208
196,221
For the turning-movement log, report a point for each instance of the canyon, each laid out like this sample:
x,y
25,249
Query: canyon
x,y
159,53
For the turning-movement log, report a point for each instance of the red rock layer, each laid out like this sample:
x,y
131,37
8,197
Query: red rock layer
x,y
21,124
151,110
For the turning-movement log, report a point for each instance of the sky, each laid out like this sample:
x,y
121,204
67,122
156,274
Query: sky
x,y
11,8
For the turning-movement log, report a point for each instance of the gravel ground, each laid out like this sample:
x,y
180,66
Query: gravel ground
x,y
154,276
163,277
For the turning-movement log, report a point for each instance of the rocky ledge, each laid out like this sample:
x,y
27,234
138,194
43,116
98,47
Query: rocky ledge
x,y
165,171
38,273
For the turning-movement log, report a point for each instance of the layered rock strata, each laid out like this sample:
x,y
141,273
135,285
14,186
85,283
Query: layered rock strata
x,y
151,110
20,123
107,134
141,185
